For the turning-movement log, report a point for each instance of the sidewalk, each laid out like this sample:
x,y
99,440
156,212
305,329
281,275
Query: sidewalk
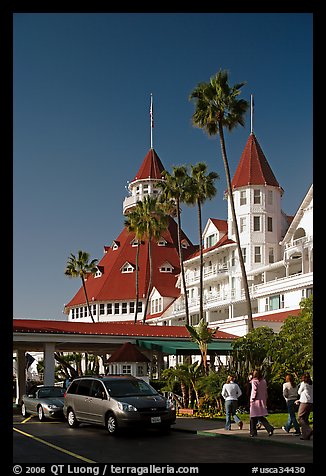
x,y
216,428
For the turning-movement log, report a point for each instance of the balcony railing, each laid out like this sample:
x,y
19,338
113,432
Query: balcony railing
x,y
209,272
299,242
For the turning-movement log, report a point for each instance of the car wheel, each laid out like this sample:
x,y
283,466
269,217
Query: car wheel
x,y
40,413
24,412
111,424
71,419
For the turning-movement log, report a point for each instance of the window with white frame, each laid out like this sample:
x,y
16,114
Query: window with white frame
x,y
166,268
116,308
271,255
162,242
272,303
210,240
77,312
156,305
72,313
233,258
243,224
81,312
257,254
109,308
243,197
101,309
256,223
269,223
131,307
306,293
257,196
126,369
85,311
127,268
270,197
124,308
244,254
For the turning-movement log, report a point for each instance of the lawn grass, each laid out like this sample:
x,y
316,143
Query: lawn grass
x,y
277,420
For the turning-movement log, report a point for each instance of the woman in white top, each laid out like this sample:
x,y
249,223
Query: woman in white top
x,y
231,392
290,393
305,392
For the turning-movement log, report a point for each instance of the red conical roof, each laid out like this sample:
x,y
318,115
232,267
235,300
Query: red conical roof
x,y
128,353
253,168
151,167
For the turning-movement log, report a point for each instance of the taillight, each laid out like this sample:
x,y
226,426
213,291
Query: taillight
x,y
64,394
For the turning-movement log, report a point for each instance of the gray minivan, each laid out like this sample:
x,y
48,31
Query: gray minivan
x,y
117,402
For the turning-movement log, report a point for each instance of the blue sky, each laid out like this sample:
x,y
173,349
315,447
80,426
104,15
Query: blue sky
x,y
81,86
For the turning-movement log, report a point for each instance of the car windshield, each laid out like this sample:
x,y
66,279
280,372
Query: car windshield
x,y
129,388
51,392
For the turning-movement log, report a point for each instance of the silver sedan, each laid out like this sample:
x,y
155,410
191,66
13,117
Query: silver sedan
x,y
44,401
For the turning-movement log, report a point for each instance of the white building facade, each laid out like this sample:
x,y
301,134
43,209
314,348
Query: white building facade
x,y
277,251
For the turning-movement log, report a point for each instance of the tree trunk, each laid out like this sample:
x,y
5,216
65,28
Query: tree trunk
x,y
181,264
65,365
137,276
88,306
234,218
201,269
150,277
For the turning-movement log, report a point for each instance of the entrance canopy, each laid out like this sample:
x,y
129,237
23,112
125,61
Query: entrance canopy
x,y
178,347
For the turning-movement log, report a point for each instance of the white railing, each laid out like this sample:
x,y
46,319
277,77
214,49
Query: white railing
x,y
298,242
209,272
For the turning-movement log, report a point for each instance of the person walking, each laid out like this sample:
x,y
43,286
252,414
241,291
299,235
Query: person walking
x,y
231,392
305,401
258,404
290,393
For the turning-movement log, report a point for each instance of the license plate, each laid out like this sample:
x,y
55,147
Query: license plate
x,y
155,419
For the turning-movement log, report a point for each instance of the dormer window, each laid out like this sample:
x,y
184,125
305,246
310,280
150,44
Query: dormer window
x,y
127,268
99,272
115,245
210,240
135,242
184,244
166,267
162,242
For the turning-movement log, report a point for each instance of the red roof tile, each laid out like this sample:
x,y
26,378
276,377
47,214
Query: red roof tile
x,y
221,225
151,167
105,328
253,168
114,285
223,241
278,316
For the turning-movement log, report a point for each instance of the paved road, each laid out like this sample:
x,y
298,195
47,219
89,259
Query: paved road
x,y
55,442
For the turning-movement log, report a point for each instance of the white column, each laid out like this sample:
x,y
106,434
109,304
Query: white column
x,y
21,376
49,363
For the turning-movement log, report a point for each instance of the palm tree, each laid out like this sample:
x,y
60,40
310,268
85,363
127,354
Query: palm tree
x,y
174,188
202,335
81,267
217,106
201,188
134,223
152,221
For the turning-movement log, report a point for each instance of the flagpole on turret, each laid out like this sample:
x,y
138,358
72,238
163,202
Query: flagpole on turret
x,y
251,113
152,119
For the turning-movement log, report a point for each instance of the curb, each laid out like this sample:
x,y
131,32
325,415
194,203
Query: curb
x,y
244,437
